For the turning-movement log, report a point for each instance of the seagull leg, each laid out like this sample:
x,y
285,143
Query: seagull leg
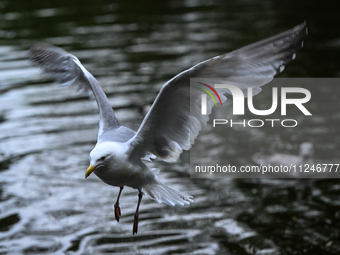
x,y
135,221
117,208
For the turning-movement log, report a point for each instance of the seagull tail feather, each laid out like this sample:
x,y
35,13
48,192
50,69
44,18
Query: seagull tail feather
x,y
162,193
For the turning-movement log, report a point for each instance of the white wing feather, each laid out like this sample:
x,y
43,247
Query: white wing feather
x,y
66,70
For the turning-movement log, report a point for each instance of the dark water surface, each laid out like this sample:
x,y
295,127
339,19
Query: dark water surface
x,y
133,47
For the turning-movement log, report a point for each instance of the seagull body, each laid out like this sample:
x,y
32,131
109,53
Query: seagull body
x,y
173,121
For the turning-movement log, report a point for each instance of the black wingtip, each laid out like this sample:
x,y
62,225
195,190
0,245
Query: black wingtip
x,y
302,27
305,23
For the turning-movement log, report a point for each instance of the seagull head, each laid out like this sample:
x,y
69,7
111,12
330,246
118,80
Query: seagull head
x,y
306,150
102,156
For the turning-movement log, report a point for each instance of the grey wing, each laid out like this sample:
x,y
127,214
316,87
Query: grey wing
x,y
121,134
170,126
66,70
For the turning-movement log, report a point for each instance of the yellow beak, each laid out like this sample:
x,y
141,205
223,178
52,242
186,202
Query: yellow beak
x,y
90,170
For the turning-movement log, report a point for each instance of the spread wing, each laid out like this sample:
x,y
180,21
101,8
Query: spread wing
x,y
170,126
66,70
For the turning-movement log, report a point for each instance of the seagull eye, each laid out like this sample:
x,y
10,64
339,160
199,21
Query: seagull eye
x,y
102,158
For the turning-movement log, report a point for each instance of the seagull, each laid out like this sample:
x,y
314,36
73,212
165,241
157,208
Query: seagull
x,y
174,119
306,152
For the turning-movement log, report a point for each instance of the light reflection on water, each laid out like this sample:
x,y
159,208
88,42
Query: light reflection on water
x,y
46,133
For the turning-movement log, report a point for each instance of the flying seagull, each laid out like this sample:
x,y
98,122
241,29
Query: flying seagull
x,y
170,127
